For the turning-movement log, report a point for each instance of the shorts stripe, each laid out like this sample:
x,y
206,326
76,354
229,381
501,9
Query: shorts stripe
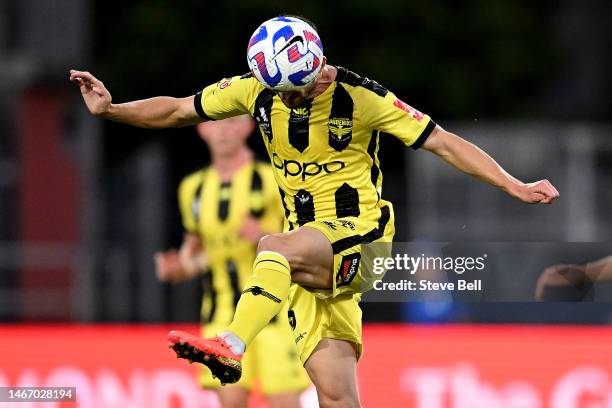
x,y
376,233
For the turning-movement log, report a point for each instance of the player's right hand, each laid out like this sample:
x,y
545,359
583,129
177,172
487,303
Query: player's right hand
x,y
540,192
96,96
168,267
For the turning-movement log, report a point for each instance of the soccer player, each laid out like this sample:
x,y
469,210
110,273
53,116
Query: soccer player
x,y
226,208
322,139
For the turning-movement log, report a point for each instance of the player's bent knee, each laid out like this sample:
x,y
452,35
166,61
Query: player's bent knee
x,y
280,243
272,242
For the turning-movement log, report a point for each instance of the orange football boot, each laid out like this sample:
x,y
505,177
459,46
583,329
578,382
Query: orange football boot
x,y
214,353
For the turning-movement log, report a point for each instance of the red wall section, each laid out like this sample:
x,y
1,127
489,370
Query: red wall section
x,y
403,366
50,186
49,201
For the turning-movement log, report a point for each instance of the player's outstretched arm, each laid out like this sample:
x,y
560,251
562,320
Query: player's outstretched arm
x,y
472,160
158,112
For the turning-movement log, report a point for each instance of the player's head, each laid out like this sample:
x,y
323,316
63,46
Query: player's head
x,y
285,54
226,137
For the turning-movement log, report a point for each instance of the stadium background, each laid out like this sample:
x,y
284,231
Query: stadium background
x,y
85,203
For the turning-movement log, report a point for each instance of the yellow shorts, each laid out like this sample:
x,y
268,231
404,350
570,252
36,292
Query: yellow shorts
x,y
355,242
317,314
271,361
313,319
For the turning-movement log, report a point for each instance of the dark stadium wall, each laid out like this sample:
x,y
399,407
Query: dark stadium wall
x,y
49,201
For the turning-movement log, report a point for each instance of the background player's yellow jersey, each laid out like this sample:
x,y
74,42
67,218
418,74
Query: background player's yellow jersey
x,y
216,211
324,154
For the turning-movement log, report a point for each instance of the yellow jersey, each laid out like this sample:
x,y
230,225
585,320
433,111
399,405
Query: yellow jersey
x,y
215,211
325,153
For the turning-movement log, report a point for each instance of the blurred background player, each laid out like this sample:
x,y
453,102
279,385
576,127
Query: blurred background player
x,y
226,208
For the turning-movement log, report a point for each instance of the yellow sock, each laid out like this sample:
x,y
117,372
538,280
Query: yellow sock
x,y
263,297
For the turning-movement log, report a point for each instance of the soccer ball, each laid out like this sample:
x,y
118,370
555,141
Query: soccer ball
x,y
285,54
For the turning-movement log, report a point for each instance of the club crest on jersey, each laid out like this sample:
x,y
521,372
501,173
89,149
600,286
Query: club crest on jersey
x,y
340,132
301,113
416,115
348,269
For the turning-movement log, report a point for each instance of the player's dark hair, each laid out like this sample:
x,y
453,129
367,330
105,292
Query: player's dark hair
x,y
304,19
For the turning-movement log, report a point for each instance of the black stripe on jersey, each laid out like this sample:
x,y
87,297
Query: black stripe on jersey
x,y
340,124
287,212
347,201
197,104
424,135
195,204
257,208
232,271
374,170
304,207
256,180
299,134
263,112
247,75
351,78
209,290
224,203
282,194
371,236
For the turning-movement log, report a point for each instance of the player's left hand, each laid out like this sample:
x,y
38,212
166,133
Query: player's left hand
x,y
251,230
540,192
